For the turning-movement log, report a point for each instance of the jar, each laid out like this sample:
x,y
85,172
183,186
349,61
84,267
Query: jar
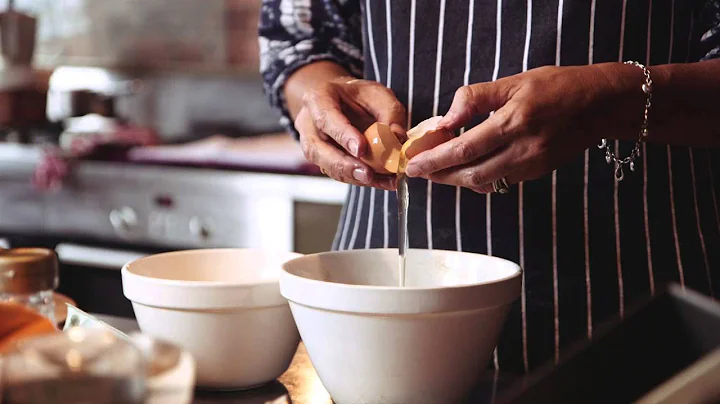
x,y
29,276
74,367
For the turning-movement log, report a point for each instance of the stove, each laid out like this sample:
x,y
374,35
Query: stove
x,y
121,203
108,213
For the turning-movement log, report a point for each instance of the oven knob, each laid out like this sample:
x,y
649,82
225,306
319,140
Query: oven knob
x,y
199,228
123,219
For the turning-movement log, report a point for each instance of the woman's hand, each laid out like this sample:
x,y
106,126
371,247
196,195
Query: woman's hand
x,y
332,119
543,118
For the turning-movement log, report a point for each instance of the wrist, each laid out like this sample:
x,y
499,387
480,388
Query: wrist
x,y
308,77
622,99
619,77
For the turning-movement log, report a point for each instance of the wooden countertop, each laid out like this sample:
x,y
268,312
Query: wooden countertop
x,y
300,384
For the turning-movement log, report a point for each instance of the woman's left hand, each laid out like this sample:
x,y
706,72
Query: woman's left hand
x,y
543,118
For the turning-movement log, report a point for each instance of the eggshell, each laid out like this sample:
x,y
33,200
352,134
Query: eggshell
x,y
424,126
425,136
383,149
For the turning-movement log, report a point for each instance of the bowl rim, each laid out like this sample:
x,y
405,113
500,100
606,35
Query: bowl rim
x,y
218,284
517,272
191,295
397,300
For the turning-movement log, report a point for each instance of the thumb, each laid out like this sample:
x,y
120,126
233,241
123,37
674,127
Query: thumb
x,y
380,102
393,114
473,100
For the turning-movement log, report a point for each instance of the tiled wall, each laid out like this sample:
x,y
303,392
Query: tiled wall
x,y
203,35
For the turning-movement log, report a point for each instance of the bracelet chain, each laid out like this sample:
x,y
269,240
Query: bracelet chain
x,y
629,161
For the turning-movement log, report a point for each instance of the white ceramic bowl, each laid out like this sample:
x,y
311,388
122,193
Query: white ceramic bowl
x,y
223,306
374,342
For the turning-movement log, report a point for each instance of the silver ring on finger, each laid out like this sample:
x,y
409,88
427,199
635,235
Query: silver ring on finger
x,y
501,186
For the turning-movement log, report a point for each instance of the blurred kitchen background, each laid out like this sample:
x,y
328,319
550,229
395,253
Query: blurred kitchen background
x,y
130,127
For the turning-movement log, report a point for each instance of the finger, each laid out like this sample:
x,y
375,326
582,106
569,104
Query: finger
x,y
485,138
326,113
344,168
474,100
336,163
480,176
386,108
388,182
383,106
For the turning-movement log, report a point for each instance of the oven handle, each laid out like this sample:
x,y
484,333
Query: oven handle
x,y
95,257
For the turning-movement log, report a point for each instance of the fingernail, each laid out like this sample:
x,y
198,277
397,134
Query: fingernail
x,y
361,176
353,147
412,170
447,119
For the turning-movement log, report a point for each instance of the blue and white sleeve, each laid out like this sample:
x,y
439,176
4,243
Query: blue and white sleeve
x,y
294,33
710,40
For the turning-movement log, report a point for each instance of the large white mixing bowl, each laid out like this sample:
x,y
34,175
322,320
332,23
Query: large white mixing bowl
x,y
223,306
374,342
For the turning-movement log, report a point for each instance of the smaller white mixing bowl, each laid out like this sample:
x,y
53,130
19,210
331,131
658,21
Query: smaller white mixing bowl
x,y
223,306
374,342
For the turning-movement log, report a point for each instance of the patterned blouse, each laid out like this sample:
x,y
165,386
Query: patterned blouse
x,y
589,245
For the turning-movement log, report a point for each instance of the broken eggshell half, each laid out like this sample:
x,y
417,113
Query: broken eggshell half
x,y
425,136
383,153
385,150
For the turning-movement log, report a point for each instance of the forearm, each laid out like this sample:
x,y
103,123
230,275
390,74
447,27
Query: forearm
x,y
685,105
308,77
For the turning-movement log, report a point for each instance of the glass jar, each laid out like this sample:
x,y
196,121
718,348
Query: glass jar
x,y
29,276
80,366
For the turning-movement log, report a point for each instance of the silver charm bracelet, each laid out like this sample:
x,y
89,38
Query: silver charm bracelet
x,y
610,156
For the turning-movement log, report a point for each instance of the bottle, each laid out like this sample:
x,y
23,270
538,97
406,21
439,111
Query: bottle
x,y
29,276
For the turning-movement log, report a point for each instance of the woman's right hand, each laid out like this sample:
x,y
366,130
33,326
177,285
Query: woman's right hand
x,y
331,122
